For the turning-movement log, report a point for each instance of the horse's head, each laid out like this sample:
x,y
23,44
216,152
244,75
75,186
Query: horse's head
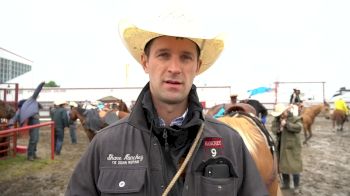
x,y
75,112
120,105
326,110
6,110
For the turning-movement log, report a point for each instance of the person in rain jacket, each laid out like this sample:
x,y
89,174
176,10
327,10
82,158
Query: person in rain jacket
x,y
28,114
340,104
167,146
287,128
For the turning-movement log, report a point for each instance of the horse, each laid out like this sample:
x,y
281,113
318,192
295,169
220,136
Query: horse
x,y
338,119
217,109
257,139
6,113
308,115
93,120
6,110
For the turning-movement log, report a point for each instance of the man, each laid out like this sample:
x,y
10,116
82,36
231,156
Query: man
x,y
72,124
296,102
233,98
166,146
60,117
28,114
287,128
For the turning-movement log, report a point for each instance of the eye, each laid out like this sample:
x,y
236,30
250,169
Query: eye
x,y
164,55
186,57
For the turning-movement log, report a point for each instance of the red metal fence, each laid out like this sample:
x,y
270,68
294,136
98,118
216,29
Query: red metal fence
x,y
11,134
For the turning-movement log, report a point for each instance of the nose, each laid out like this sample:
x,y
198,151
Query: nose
x,y
174,66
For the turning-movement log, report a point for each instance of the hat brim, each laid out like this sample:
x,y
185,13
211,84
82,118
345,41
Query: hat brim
x,y
135,40
275,114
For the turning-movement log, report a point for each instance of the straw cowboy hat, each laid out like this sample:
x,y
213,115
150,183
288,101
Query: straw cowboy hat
x,y
279,109
73,103
172,23
59,102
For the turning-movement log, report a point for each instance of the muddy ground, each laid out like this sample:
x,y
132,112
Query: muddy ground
x,y
326,165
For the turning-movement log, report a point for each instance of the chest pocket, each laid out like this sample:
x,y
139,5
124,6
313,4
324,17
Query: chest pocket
x,y
122,181
217,186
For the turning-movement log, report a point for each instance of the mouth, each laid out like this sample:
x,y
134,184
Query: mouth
x,y
172,82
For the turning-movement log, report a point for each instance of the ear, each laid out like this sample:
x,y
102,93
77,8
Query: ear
x,y
199,65
144,61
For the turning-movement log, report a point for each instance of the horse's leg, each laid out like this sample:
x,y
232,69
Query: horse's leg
x,y
305,134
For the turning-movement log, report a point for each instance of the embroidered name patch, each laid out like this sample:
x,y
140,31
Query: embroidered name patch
x,y
127,159
213,146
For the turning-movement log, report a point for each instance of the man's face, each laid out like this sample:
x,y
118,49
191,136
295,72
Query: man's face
x,y
172,65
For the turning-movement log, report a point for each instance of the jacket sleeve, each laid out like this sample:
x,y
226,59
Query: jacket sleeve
x,y
294,125
85,175
37,90
274,126
252,184
14,119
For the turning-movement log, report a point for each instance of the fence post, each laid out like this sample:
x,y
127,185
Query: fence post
x,y
52,140
14,143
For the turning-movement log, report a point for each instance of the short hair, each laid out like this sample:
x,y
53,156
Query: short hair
x,y
148,45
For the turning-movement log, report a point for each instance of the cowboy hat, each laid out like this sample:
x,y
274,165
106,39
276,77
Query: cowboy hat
x,y
173,23
74,104
279,109
59,102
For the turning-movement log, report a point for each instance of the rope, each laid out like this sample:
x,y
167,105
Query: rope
x,y
183,166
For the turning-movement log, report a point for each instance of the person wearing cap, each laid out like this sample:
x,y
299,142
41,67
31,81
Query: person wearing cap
x,y
60,118
166,146
72,124
287,128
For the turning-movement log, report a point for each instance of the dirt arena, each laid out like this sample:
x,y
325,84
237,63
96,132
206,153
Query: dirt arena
x,y
326,165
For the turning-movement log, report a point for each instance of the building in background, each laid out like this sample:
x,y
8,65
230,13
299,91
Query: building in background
x,y
12,65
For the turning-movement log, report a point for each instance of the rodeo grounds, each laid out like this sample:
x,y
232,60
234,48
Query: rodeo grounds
x,y
326,161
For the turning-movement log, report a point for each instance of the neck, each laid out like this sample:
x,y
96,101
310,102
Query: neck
x,y
169,112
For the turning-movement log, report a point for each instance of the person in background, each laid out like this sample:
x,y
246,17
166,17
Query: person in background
x,y
233,98
167,146
340,104
60,118
296,102
28,114
287,128
72,124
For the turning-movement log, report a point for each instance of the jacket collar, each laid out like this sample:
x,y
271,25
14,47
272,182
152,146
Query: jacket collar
x,y
144,113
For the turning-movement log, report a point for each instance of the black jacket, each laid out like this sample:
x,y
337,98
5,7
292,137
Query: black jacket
x,y
130,157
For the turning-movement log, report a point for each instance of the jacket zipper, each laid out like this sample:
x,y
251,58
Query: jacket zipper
x,y
164,169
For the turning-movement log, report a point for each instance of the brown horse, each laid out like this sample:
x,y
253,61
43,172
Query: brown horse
x,y
308,116
6,110
338,119
6,113
93,120
258,141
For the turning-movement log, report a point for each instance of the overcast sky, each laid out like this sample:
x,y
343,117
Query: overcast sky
x,y
76,43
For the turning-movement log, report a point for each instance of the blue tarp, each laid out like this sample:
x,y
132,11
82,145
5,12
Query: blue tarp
x,y
259,91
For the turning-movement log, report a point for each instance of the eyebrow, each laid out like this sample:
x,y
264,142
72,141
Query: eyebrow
x,y
167,50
